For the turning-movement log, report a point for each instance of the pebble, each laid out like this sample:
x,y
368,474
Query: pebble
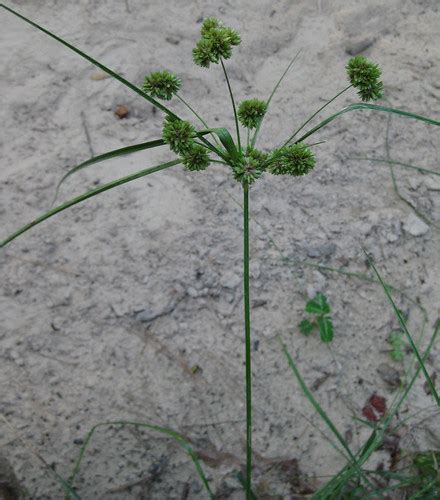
x,y
415,226
325,250
433,184
354,47
389,375
229,279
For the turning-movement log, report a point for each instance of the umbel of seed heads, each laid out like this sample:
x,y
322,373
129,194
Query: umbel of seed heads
x,y
297,159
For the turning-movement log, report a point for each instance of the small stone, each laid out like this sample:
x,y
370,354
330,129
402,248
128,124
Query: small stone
x,y
415,226
99,75
229,279
355,47
192,292
389,375
173,40
433,184
122,111
147,315
319,251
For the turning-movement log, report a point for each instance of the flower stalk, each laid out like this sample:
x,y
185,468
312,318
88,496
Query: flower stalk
x,y
247,322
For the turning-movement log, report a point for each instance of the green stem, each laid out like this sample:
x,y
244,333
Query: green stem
x,y
233,105
298,130
194,112
247,321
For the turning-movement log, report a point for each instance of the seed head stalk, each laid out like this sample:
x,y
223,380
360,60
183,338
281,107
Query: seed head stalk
x,y
237,128
247,321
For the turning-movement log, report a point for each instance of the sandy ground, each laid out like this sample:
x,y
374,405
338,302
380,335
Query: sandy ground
x,y
129,306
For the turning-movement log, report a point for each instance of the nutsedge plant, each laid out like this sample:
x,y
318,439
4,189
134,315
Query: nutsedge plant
x,y
196,147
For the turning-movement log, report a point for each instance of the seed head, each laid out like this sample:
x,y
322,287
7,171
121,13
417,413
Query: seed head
x,y
162,84
293,159
196,158
251,167
251,111
216,43
233,36
210,24
202,53
178,134
364,76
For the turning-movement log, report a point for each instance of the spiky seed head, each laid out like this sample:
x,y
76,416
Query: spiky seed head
x,y
251,167
210,24
293,159
364,76
216,43
221,44
178,134
202,53
196,158
233,36
162,84
251,111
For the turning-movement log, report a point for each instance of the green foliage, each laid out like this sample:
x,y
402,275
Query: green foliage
x,y
162,84
320,310
294,159
427,464
364,76
215,44
397,342
251,111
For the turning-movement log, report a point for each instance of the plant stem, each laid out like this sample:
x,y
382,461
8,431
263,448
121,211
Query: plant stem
x,y
194,112
247,322
233,105
315,113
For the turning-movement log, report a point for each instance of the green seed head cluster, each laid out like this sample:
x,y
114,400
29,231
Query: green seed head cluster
x,y
196,158
216,43
178,134
251,111
251,167
364,76
162,84
293,159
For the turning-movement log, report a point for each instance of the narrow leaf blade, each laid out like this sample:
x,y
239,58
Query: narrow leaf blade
x,y
227,141
405,330
178,438
375,107
107,156
95,62
85,196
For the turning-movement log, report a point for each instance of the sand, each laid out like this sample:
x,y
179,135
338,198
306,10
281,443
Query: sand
x,y
129,306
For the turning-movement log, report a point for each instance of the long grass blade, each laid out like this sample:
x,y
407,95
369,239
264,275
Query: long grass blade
x,y
298,130
405,329
257,130
85,196
178,438
318,407
375,107
107,156
227,141
95,62
398,163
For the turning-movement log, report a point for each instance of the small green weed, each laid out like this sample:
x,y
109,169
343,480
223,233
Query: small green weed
x,y
321,321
